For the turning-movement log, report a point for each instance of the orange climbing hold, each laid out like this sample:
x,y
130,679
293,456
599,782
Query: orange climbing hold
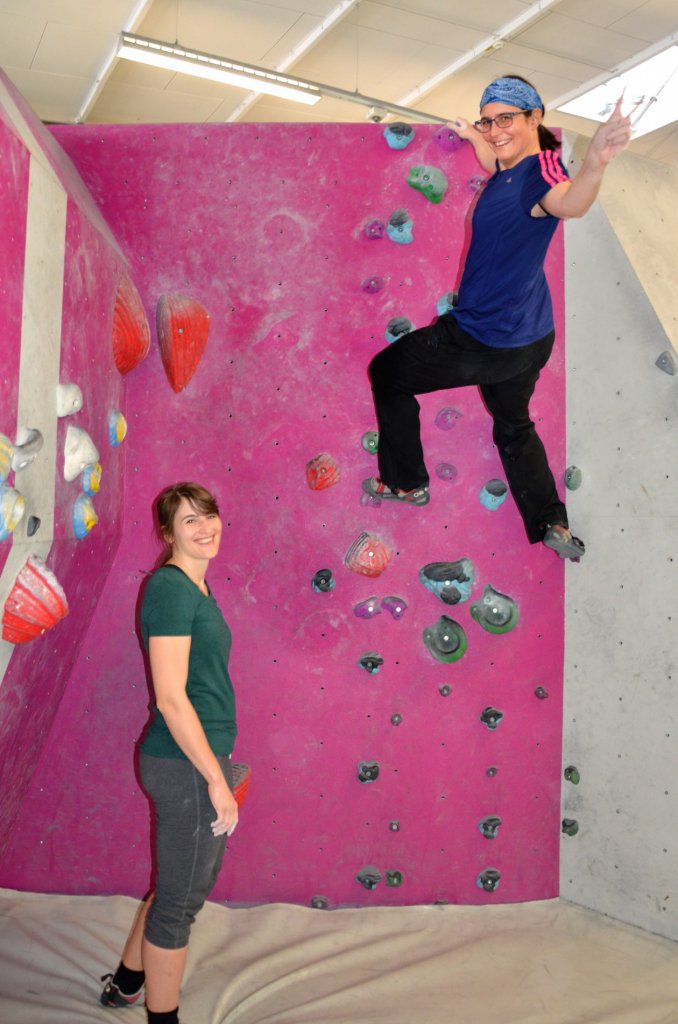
x,y
35,604
183,325
368,555
131,333
322,472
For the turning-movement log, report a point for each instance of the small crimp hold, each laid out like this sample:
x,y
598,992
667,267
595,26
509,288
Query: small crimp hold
x,y
490,826
488,880
371,662
491,717
570,826
368,771
369,877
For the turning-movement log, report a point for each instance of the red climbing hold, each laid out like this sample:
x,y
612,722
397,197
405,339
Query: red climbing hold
x,y
368,555
183,326
35,604
131,333
322,472
241,781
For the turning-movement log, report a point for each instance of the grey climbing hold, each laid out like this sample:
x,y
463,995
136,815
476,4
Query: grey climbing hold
x,y
667,363
396,719
371,662
572,775
489,826
573,478
445,690
368,771
496,613
394,826
320,902
491,717
491,771
488,880
541,693
323,581
570,826
449,581
369,877
32,526
370,441
446,640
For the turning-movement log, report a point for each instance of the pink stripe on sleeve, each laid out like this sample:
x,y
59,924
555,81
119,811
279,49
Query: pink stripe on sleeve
x,y
551,171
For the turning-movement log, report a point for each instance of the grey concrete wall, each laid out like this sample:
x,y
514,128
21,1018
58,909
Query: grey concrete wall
x,y
621,672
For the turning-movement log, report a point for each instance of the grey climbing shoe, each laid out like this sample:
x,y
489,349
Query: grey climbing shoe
x,y
376,488
560,540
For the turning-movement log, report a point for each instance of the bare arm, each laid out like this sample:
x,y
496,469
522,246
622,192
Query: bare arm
x,y
169,669
574,198
482,149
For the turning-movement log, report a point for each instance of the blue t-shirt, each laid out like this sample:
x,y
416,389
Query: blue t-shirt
x,y
174,606
504,300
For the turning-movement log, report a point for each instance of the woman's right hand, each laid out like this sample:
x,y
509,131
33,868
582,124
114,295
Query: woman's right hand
x,y
463,128
225,805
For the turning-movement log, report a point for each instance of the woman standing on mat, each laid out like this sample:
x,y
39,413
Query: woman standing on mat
x,y
185,757
500,334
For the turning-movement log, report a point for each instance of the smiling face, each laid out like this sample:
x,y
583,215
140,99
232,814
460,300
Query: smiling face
x,y
513,143
195,535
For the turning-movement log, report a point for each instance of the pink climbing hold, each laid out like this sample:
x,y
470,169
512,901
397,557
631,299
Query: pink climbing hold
x,y
368,555
183,325
35,604
131,333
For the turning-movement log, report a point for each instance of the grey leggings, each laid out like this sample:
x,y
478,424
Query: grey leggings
x,y
188,855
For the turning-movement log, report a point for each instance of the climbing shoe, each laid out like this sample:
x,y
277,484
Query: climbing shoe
x,y
376,488
560,540
112,996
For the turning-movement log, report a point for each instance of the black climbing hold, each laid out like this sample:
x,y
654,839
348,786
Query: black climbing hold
x,y
396,719
488,880
489,826
323,581
368,771
491,717
369,877
320,902
570,826
32,526
394,878
394,826
572,775
445,690
541,693
450,581
371,662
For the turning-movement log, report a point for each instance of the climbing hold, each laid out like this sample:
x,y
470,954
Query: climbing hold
x,y
398,135
183,325
79,451
91,478
368,771
430,181
477,182
396,719
396,606
446,303
450,581
12,508
396,327
323,581
491,771
241,781
667,363
369,877
540,693
320,902
446,640
394,879
491,717
399,227
573,478
446,471
373,284
371,662
368,555
36,603
28,443
447,418
131,333
570,826
488,880
493,494
489,826
375,229
445,690
496,613
367,609
322,472
117,428
447,139
370,441
394,826
32,526
69,399
84,516
6,453
572,775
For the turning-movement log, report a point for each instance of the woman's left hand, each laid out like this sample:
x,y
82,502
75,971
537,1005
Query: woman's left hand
x,y
613,136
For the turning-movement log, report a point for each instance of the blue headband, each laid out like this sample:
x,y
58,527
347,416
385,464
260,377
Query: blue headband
x,y
514,92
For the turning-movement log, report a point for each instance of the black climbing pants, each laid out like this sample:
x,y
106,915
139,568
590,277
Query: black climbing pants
x,y
444,356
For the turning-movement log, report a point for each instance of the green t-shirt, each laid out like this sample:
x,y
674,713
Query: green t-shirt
x,y
174,606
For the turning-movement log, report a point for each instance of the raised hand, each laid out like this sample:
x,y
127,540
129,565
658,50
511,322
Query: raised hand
x,y
613,136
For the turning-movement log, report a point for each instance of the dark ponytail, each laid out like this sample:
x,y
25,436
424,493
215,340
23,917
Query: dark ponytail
x,y
547,139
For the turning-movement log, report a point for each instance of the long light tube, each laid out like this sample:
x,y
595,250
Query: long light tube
x,y
218,69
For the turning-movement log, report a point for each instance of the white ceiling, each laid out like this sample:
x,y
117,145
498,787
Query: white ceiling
x,y
55,51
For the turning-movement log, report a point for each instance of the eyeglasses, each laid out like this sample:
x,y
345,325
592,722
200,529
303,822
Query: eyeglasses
x,y
501,120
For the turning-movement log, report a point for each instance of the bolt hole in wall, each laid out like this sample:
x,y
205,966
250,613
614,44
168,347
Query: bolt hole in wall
x,y
280,384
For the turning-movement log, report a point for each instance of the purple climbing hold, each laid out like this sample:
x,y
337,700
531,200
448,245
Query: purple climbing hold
x,y
396,606
375,229
367,609
447,418
476,183
373,284
446,471
447,139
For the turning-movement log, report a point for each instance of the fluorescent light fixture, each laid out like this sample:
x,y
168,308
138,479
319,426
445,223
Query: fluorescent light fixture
x,y
650,87
218,69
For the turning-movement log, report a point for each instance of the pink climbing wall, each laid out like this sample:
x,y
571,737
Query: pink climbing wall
x,y
264,226
38,673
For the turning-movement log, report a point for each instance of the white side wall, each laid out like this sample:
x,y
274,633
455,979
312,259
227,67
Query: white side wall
x,y
621,661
